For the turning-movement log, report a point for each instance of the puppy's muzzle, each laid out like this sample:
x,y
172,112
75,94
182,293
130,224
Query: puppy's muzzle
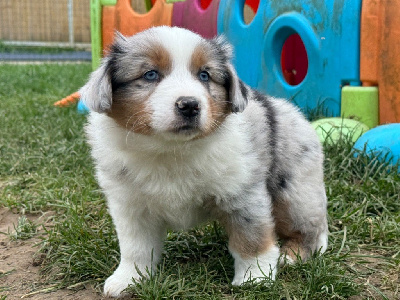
x,y
188,107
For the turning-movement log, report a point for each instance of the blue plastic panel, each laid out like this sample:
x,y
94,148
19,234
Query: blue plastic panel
x,y
330,31
246,39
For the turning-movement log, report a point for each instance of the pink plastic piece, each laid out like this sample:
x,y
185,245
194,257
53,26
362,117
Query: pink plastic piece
x,y
192,16
294,61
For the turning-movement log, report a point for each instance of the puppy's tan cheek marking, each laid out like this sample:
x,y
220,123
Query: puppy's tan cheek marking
x,y
217,113
130,108
132,115
218,107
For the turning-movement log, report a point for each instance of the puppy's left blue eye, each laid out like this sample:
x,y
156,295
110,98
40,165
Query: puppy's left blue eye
x,y
204,76
151,75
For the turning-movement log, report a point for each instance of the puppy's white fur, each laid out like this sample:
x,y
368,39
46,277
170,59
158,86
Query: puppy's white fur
x,y
250,161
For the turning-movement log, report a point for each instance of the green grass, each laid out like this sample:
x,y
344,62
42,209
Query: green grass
x,y
23,230
45,166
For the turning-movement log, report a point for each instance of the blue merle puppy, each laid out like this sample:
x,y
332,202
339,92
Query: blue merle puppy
x,y
178,140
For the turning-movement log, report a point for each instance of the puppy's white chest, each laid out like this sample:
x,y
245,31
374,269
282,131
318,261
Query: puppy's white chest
x,y
175,192
181,180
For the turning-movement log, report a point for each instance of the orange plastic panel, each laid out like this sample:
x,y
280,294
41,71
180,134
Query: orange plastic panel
x,y
369,50
380,54
107,26
128,22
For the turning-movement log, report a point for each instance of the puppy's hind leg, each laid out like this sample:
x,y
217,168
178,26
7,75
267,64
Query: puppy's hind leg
x,y
252,264
252,241
300,219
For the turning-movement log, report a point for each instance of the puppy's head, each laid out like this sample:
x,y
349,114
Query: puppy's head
x,y
166,81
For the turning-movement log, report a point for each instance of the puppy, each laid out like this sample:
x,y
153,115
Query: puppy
x,y
178,139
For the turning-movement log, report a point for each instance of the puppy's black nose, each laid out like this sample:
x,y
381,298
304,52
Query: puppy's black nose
x,y
188,106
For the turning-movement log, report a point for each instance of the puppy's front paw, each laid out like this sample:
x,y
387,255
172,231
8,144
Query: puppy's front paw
x,y
254,273
118,282
257,268
115,285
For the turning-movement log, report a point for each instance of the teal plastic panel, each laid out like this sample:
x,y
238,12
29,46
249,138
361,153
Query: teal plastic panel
x,y
330,31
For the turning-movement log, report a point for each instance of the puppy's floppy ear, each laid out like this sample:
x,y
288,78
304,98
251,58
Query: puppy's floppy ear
x,y
96,94
235,88
236,95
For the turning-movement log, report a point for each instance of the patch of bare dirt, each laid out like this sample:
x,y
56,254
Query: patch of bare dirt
x,y
378,276
19,273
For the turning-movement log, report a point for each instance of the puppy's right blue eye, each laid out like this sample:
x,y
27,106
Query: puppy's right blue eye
x,y
151,75
204,76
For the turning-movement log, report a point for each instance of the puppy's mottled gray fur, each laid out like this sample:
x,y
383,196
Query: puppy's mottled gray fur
x,y
178,140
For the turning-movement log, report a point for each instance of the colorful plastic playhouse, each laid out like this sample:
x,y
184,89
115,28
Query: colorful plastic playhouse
x,y
306,51
341,57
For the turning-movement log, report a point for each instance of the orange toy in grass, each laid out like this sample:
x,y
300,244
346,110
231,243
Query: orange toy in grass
x,y
71,99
